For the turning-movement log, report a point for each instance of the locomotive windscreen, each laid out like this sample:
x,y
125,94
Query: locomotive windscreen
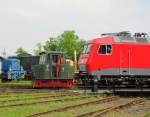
x,y
86,48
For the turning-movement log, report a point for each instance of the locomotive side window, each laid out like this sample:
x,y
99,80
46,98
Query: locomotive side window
x,y
109,49
105,49
102,49
42,59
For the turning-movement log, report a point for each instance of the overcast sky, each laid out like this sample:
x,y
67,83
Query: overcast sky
x,y
24,23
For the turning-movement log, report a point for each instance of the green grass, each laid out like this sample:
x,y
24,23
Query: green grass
x,y
147,115
17,82
27,110
37,100
29,95
17,96
80,110
23,98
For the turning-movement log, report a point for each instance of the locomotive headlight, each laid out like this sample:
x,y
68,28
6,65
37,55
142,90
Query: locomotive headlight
x,y
82,67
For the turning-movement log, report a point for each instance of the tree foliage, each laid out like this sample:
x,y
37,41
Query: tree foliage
x,y
20,50
39,49
67,42
52,44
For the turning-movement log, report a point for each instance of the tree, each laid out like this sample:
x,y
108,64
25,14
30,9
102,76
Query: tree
x,y
20,50
69,42
39,49
52,44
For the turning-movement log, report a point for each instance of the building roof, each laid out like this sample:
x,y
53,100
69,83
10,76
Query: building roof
x,y
24,55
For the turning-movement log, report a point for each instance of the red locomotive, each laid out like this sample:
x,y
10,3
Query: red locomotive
x,y
116,59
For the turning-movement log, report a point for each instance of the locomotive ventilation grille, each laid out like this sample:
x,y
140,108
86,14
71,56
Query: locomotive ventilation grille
x,y
39,70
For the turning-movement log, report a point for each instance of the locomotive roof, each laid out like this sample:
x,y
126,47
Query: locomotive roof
x,y
11,60
121,39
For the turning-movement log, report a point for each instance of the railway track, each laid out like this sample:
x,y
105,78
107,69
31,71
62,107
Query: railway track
x,y
31,94
45,101
12,91
24,92
40,97
76,106
101,112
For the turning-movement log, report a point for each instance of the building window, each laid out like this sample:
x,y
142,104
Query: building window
x,y
105,49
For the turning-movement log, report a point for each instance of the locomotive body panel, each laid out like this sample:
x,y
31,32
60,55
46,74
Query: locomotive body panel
x,y
123,58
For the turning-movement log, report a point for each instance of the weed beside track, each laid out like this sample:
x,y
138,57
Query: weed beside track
x,y
45,101
75,106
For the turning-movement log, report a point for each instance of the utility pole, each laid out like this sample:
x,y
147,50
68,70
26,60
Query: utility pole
x,y
75,60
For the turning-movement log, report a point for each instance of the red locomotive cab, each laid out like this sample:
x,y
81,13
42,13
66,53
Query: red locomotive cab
x,y
83,60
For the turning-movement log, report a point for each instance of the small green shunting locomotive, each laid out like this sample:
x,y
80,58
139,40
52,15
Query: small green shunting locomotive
x,y
53,71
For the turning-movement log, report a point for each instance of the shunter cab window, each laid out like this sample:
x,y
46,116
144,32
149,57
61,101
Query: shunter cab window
x,y
43,59
86,48
105,49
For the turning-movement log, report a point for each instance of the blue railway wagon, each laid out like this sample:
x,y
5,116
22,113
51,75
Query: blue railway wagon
x,y
12,70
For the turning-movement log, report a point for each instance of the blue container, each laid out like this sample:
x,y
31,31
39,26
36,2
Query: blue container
x,y
12,70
